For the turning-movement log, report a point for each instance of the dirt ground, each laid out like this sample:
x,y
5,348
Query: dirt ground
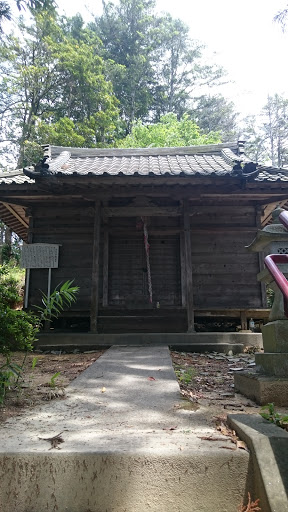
x,y
36,382
205,379
208,380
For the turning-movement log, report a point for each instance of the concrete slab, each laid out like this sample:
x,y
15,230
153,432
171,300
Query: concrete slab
x,y
209,341
268,445
128,446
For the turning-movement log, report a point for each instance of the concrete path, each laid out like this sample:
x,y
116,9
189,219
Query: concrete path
x,y
130,445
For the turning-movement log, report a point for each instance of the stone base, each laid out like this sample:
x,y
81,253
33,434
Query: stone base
x,y
275,336
272,364
262,389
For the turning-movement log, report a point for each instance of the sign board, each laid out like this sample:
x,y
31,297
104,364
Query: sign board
x,y
40,256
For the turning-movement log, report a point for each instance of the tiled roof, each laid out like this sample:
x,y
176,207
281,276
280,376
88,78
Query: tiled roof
x,y
202,160
216,160
207,160
17,177
271,174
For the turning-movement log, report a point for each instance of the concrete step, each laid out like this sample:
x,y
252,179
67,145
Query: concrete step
x,y
195,342
128,446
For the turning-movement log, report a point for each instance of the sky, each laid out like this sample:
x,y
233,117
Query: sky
x,y
240,36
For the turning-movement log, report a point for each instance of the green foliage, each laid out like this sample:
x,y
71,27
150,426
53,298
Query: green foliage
x,y
9,375
19,329
31,5
161,66
11,283
267,135
270,294
214,113
180,68
5,253
63,295
269,413
58,92
168,132
52,382
186,375
127,32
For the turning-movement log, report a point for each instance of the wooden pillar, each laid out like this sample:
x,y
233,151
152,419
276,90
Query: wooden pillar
x,y
95,269
261,259
183,270
28,271
105,265
243,320
188,267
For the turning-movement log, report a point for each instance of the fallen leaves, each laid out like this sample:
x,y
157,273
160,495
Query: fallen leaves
x,y
151,378
252,506
231,434
213,381
55,441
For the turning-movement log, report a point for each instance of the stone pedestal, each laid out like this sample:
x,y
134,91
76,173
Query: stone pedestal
x,y
275,336
269,382
274,361
262,389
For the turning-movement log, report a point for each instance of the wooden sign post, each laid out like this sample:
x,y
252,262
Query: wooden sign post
x,y
39,256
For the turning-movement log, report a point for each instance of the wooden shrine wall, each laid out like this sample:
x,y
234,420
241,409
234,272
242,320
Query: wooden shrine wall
x,y
224,272
128,276
72,227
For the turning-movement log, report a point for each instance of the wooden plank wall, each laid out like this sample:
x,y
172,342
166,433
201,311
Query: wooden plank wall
x,y
73,229
224,272
128,283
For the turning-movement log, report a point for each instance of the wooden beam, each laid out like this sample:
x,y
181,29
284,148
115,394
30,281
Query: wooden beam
x,y
250,194
152,231
16,215
95,269
188,267
139,211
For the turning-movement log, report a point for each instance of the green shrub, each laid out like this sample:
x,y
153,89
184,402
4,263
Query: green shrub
x,y
268,412
18,328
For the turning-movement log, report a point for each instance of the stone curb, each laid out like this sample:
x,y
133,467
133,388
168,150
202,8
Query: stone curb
x,y
268,445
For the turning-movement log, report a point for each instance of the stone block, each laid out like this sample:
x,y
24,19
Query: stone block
x,y
262,389
275,336
275,364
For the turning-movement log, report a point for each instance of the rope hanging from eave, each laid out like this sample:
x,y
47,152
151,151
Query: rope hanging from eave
x,y
147,248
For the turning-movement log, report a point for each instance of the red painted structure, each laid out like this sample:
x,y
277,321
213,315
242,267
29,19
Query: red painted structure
x,y
271,262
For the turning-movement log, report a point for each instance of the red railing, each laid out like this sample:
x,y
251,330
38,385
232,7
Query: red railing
x,y
271,262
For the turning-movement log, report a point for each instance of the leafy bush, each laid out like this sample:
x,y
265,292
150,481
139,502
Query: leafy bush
x,y
11,286
63,296
269,413
18,329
